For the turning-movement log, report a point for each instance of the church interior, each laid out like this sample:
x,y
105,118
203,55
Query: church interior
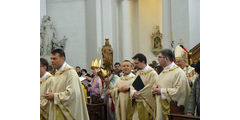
x,y
128,24
93,33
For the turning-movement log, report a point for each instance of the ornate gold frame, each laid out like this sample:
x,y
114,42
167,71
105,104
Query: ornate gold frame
x,y
156,41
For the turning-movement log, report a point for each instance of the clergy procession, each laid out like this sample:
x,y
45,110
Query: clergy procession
x,y
132,89
120,60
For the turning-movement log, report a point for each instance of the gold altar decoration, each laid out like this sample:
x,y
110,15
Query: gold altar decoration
x,y
194,54
156,41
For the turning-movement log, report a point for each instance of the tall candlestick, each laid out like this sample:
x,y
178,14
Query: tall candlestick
x,y
171,36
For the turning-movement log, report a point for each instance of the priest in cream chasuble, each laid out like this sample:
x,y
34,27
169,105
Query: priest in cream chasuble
x,y
142,100
172,85
120,91
67,97
45,84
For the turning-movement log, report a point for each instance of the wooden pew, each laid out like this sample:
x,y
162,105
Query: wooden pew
x,y
182,117
96,111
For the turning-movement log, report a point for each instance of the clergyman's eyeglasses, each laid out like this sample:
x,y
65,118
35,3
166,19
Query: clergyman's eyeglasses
x,y
161,57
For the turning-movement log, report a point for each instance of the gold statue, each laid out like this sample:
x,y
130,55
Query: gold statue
x,y
107,56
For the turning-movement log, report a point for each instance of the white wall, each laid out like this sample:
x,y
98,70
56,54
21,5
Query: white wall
x,y
68,17
149,15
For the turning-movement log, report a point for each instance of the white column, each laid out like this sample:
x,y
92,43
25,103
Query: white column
x,y
167,28
110,21
99,27
107,20
126,31
115,31
180,21
91,32
43,9
194,23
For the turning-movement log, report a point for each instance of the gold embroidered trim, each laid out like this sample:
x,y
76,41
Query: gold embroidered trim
x,y
169,94
146,102
44,112
59,73
192,73
145,73
126,79
169,70
42,81
65,108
